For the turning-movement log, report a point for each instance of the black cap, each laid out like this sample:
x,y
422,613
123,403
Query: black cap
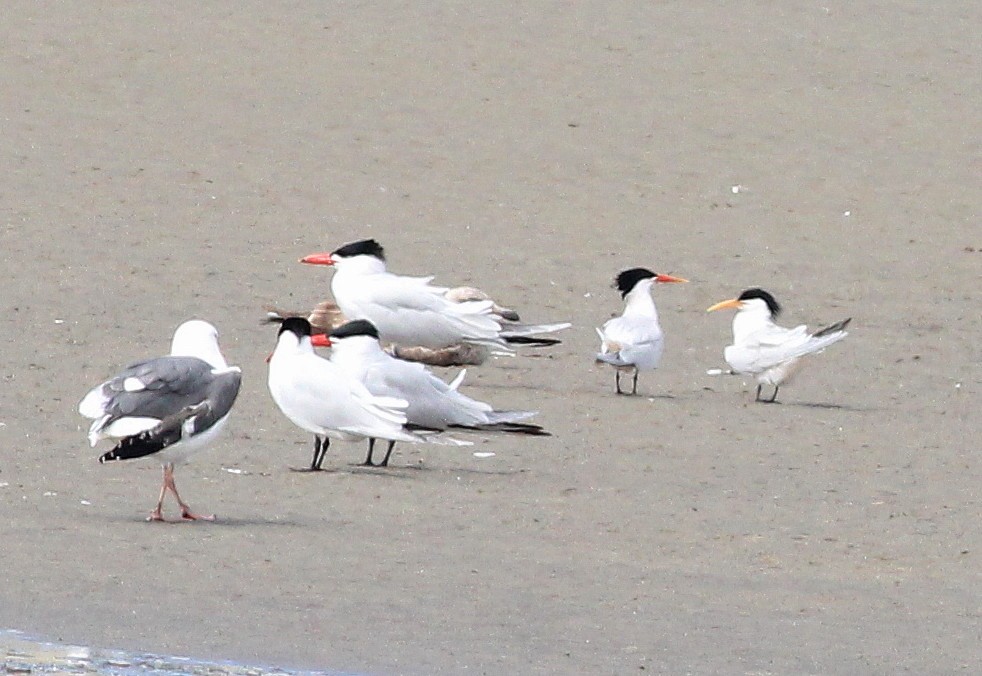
x,y
772,304
358,327
628,279
363,247
296,325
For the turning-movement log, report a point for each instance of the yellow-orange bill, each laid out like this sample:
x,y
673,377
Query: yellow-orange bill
x,y
733,303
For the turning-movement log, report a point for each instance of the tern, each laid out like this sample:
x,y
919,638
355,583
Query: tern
x,y
168,407
321,398
433,404
634,341
765,350
410,312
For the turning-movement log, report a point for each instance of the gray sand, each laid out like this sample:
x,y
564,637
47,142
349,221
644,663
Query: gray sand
x,y
163,161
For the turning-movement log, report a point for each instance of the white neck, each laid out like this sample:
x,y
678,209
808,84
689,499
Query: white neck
x,y
290,344
356,349
360,265
204,346
748,321
639,302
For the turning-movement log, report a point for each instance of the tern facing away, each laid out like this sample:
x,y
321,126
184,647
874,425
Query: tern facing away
x,y
409,312
765,350
168,407
634,341
433,404
318,396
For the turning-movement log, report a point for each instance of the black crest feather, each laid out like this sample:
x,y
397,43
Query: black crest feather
x,y
363,247
358,327
628,279
772,304
296,325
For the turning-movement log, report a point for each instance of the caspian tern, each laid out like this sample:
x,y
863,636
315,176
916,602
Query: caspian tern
x,y
326,317
433,404
408,311
765,350
634,341
168,407
323,399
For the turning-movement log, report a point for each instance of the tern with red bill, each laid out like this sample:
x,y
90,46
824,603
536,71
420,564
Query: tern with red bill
x,y
634,341
433,404
167,407
321,398
410,312
761,348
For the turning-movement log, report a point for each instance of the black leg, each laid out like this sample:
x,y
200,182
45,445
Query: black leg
x,y
757,398
617,381
634,388
371,447
317,452
388,453
773,399
320,450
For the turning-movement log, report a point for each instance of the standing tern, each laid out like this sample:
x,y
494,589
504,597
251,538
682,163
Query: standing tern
x,y
433,404
763,349
409,311
320,397
168,407
634,341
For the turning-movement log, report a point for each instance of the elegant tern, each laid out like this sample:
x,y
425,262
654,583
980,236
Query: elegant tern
x,y
761,348
634,342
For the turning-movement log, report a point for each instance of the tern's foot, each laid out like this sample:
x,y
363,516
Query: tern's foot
x,y
368,464
306,469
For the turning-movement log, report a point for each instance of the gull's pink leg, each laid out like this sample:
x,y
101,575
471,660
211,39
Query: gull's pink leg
x,y
186,512
157,513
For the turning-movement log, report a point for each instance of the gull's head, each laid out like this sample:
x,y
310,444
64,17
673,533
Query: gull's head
x,y
628,280
197,338
363,247
754,300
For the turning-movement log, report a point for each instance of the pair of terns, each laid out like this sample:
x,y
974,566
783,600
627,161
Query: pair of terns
x,y
362,392
761,348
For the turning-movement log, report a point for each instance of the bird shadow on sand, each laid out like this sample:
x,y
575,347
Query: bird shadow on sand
x,y
827,406
219,521
407,471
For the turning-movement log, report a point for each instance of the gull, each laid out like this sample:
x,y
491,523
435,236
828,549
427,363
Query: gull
x,y
168,407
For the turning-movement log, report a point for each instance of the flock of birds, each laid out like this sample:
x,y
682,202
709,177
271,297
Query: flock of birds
x,y
384,330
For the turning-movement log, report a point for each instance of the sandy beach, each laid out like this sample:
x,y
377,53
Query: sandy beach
x,y
169,161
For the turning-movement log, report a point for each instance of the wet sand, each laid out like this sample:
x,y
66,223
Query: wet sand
x,y
172,161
